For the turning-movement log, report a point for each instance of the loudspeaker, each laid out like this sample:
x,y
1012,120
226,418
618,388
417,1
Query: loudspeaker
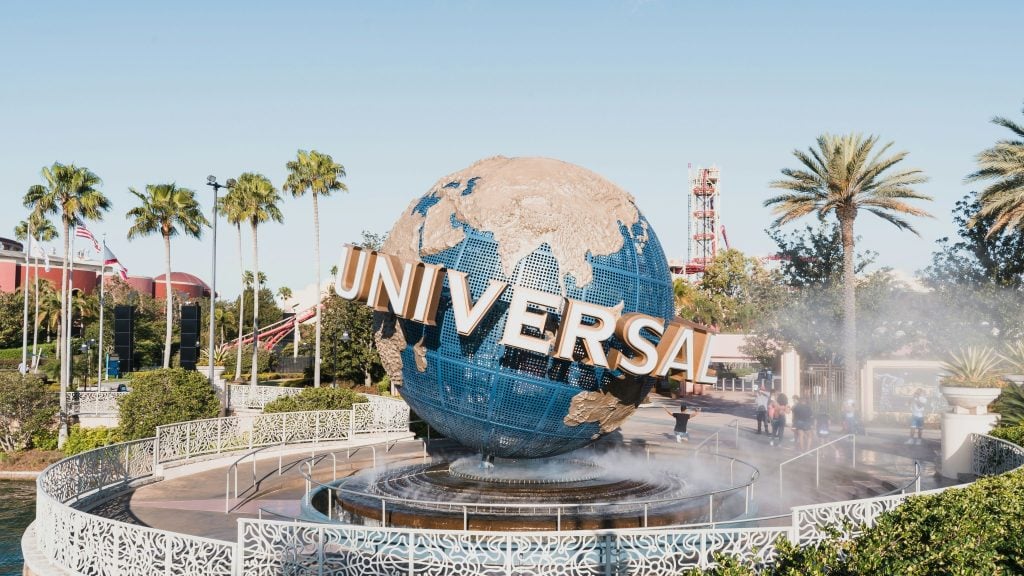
x,y
124,336
291,335
188,351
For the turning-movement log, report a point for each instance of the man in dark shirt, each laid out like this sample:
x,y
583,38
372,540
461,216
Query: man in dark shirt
x,y
803,421
682,417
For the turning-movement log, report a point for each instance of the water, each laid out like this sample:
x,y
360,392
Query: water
x,y
17,509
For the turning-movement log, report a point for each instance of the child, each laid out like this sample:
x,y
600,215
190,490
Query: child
x,y
682,418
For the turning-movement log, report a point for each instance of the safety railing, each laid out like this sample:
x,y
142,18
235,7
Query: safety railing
x,y
817,459
79,542
257,397
94,403
716,437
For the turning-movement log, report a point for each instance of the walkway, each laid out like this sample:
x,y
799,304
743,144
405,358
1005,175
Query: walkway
x,y
195,504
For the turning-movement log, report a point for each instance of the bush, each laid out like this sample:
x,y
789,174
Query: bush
x,y
1013,434
384,386
265,361
316,399
27,410
165,396
970,530
84,439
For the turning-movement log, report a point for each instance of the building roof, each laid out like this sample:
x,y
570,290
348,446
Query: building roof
x,y
183,278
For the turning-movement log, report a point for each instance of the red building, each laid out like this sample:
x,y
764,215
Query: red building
x,y
86,274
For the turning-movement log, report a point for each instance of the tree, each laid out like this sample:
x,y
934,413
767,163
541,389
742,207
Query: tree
x,y
814,256
71,192
26,409
733,291
1002,202
42,231
284,293
843,176
320,175
258,200
233,208
166,209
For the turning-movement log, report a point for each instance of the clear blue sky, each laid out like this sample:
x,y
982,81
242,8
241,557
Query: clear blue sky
x,y
403,93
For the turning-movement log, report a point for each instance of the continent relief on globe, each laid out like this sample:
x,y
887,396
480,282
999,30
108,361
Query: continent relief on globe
x,y
529,211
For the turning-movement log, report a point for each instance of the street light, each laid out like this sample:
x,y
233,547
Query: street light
x,y
345,337
211,181
86,348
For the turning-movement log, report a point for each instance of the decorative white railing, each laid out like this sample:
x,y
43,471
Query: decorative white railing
x,y
186,440
94,403
82,543
257,397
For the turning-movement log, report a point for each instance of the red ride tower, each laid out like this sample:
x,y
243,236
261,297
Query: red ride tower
x,y
703,206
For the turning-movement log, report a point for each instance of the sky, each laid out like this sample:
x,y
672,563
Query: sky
x,y
403,93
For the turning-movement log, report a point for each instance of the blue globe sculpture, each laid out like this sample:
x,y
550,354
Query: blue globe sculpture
x,y
546,225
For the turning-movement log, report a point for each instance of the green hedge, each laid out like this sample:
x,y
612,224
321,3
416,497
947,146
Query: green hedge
x,y
265,362
84,439
165,396
316,399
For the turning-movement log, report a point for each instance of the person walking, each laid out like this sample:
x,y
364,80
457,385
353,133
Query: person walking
x,y
779,418
917,408
682,419
761,410
803,421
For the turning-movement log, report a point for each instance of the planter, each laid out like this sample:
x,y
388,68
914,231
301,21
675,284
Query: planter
x,y
965,400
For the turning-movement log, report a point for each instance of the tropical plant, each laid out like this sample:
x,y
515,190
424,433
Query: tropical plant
x,y
973,367
284,293
1010,407
220,356
166,209
1013,357
842,177
233,208
73,193
165,396
258,204
42,231
320,175
1003,163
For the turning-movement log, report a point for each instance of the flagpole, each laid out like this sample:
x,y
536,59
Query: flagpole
x,y
67,323
24,292
103,286
35,324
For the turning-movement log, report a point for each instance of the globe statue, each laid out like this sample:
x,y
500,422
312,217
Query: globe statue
x,y
542,224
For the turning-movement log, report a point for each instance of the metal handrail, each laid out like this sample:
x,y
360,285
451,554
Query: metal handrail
x,y
734,423
817,460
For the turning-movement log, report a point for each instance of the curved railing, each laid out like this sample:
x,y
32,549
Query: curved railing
x,y
80,542
256,397
75,540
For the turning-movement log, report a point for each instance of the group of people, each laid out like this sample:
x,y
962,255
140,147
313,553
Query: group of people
x,y
771,409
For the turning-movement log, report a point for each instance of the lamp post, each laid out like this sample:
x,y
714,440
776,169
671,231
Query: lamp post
x,y
345,337
86,348
211,181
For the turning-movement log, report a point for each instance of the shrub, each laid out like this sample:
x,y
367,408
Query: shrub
x,y
165,396
1010,406
27,410
1013,434
970,530
384,386
265,361
316,399
84,439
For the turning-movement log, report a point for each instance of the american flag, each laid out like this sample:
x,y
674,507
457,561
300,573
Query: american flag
x,y
82,232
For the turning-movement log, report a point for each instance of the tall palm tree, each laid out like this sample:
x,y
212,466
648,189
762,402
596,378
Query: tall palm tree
x,y
72,192
166,209
258,200
284,293
319,174
42,231
1003,163
49,311
842,176
233,208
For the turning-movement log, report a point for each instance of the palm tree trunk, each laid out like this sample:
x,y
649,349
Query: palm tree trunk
x,y
851,386
316,266
62,425
241,311
255,307
169,310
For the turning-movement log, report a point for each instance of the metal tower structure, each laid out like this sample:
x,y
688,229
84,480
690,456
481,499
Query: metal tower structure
x,y
703,208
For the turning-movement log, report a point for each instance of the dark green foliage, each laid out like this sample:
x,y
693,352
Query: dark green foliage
x,y
353,361
814,256
961,531
1010,407
165,396
84,439
10,320
27,410
316,399
266,361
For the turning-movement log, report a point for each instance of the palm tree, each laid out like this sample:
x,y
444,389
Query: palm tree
x,y
49,312
258,201
319,174
232,207
71,192
284,293
166,208
1003,163
42,231
843,176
